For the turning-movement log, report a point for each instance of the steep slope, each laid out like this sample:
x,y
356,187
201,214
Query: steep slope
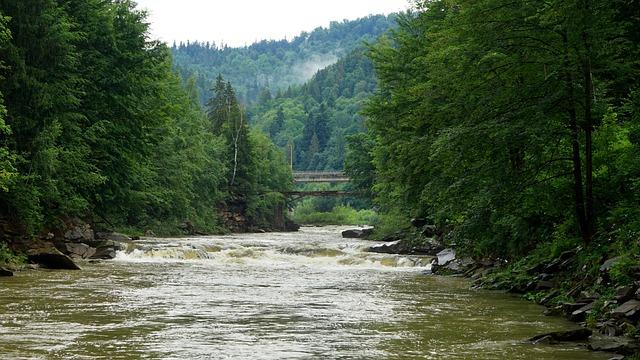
x,y
317,117
267,67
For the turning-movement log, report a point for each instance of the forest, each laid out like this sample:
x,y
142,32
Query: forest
x,y
269,66
95,124
512,126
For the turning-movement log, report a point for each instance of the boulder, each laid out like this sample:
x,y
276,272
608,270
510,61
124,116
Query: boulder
x,y
569,308
610,328
78,231
107,250
570,335
51,258
78,250
445,256
357,233
419,222
544,285
114,236
5,272
629,309
550,296
607,265
625,293
429,231
620,345
581,314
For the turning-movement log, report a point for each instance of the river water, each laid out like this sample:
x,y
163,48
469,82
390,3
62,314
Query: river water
x,y
306,295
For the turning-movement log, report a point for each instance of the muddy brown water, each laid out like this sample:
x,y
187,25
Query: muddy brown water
x,y
306,295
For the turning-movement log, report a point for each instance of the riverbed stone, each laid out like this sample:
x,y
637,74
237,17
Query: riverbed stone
x,y
607,265
617,344
581,314
625,293
79,231
114,236
4,272
419,222
429,231
357,233
51,258
569,335
629,309
78,250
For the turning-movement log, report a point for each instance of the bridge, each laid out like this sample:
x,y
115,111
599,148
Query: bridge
x,y
320,176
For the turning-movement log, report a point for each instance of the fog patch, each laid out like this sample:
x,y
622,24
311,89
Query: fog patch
x,y
304,71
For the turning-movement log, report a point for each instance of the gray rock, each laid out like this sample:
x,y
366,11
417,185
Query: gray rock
x,y
607,265
81,251
114,236
581,314
104,254
624,293
549,297
621,345
79,232
5,272
446,255
429,231
419,222
628,309
544,285
570,335
357,233
51,258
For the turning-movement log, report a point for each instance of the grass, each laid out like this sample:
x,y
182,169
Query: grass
x,y
339,215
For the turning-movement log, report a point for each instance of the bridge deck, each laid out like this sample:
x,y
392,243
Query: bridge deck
x,y
319,176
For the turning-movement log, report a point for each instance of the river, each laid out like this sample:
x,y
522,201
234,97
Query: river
x,y
306,295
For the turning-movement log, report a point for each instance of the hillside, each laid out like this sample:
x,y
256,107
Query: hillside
x,y
271,66
317,117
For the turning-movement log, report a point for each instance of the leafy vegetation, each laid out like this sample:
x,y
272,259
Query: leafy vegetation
x,y
265,68
95,124
308,214
510,124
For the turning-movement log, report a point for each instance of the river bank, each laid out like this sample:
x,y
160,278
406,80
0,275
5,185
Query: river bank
x,y
605,301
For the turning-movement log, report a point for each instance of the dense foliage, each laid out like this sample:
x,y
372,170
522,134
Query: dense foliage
x,y
264,68
509,123
95,124
317,117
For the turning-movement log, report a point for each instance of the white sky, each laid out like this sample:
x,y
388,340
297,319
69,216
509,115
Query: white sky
x,y
242,22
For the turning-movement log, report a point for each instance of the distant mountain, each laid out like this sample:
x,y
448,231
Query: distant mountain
x,y
268,67
316,118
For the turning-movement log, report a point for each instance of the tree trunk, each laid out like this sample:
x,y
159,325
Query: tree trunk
x,y
588,126
575,146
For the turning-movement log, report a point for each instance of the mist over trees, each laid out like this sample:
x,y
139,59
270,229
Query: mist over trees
x,y
275,65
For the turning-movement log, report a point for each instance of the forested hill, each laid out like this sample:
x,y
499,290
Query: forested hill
x,y
275,65
316,118
95,125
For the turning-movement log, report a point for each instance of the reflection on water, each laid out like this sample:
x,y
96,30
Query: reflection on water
x,y
310,295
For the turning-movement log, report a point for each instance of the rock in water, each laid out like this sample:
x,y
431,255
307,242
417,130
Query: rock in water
x,y
571,335
80,251
616,344
5,272
51,258
357,233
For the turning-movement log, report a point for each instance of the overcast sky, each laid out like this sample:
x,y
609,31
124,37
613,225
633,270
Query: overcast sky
x,y
242,22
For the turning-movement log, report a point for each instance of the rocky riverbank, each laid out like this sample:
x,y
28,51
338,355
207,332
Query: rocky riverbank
x,y
608,312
